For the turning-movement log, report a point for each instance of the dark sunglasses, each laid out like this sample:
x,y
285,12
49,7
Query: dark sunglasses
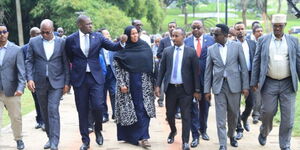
x,y
3,32
196,28
46,32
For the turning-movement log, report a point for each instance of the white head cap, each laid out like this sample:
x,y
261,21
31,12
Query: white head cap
x,y
279,18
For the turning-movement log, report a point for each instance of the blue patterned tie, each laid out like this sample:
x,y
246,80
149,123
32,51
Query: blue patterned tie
x,y
176,63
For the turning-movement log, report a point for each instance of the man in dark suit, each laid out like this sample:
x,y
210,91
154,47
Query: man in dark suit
x,y
249,48
48,75
12,83
199,42
83,48
179,72
35,31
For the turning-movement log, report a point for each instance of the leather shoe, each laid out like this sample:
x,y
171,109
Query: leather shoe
x,y
233,142
47,145
84,146
99,138
20,144
195,143
90,130
171,137
222,148
239,135
53,148
185,146
205,136
262,140
38,125
246,125
105,119
178,116
255,120
43,127
287,148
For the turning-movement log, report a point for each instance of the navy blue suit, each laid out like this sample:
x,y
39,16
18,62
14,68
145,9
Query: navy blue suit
x,y
88,86
200,113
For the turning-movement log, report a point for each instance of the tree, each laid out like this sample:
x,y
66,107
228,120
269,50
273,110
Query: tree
x,y
168,2
244,4
279,6
155,14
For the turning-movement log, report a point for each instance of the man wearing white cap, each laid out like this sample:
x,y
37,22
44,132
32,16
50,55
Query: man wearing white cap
x,y
276,69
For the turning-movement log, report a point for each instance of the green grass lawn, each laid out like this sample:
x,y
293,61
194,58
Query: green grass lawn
x,y
26,107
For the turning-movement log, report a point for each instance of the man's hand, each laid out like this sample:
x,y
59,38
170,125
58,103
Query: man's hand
x,y
157,91
124,89
31,85
66,89
245,93
197,96
18,93
123,38
207,97
254,88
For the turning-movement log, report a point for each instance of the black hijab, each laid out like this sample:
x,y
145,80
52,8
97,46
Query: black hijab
x,y
136,57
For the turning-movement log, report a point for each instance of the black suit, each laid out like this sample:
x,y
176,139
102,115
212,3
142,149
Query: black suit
x,y
181,95
164,43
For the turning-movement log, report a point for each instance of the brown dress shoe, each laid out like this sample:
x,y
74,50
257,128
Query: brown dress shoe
x,y
145,143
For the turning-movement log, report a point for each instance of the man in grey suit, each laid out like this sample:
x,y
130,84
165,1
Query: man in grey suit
x,y
276,69
179,71
12,83
48,75
227,74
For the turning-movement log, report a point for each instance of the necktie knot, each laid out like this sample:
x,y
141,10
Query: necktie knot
x,y
178,48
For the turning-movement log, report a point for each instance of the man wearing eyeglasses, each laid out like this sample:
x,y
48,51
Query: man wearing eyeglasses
x,y
12,83
48,76
200,43
142,33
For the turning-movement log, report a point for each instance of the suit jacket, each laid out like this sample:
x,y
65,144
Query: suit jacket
x,y
252,49
79,60
57,66
13,70
111,59
189,69
164,43
261,60
207,41
235,67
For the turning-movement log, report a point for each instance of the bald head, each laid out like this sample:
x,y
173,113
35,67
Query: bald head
x,y
47,29
46,23
34,31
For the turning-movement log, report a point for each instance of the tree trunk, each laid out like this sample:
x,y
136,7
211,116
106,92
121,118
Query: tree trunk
x,y
19,21
279,6
244,4
185,12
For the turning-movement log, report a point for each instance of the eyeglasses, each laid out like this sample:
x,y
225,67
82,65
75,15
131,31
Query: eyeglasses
x,y
46,32
3,32
196,28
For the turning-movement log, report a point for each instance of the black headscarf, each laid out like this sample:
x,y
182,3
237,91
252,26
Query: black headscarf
x,y
136,57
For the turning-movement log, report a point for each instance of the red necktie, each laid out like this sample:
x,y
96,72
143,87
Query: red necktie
x,y
199,49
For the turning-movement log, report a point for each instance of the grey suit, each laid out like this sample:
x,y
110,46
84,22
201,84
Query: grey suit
x,y
274,91
49,88
12,79
227,90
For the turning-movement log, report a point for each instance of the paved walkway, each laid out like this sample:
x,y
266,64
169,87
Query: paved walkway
x,y
70,138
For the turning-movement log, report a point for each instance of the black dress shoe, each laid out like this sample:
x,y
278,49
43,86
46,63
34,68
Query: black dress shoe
x,y
262,140
53,148
105,119
99,138
222,148
233,142
287,148
178,116
38,125
47,145
160,103
90,130
171,137
84,146
246,125
239,135
185,146
205,136
20,144
255,120
43,127
195,143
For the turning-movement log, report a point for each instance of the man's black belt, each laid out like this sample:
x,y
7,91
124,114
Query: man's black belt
x,y
176,85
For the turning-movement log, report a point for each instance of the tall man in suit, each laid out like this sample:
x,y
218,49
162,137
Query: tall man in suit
x,y
200,42
227,74
35,31
83,48
12,83
164,43
276,69
249,48
179,72
48,75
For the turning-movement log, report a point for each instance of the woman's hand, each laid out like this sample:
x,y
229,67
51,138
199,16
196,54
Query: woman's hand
x,y
124,89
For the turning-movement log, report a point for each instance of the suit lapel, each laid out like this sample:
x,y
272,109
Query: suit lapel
x,y
92,36
218,53
289,45
6,54
41,45
56,47
171,57
77,44
267,46
228,52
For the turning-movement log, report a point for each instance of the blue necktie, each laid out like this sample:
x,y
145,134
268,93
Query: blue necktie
x,y
176,63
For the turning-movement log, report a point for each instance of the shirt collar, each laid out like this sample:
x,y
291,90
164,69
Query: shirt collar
x,y
5,46
201,38
275,39
181,47
47,40
81,34
219,45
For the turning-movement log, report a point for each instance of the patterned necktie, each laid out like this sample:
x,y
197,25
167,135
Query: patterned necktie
x,y
86,44
199,48
176,63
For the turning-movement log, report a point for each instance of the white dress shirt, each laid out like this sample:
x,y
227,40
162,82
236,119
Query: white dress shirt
x,y
246,53
178,79
223,53
106,56
2,53
49,47
171,41
82,47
